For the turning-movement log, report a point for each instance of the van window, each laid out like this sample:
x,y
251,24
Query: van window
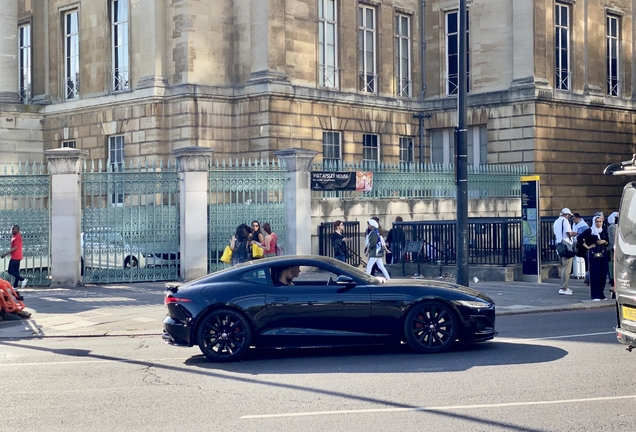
x,y
627,219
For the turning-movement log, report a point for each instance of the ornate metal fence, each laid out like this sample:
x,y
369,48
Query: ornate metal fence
x,y
24,201
240,193
392,181
130,222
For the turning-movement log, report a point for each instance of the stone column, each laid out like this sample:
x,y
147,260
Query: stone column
x,y
151,16
66,215
297,199
267,41
9,52
194,164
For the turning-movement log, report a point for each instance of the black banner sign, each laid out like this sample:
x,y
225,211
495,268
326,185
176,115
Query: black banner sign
x,y
358,181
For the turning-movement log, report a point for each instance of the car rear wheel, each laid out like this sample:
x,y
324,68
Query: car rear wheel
x,y
131,262
431,327
224,335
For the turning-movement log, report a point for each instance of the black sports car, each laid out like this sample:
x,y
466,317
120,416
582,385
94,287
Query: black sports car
x,y
268,303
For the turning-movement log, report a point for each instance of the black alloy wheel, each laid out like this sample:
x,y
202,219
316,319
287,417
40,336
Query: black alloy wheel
x,y
131,262
224,335
431,327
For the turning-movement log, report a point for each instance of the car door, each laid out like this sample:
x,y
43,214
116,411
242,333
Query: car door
x,y
316,309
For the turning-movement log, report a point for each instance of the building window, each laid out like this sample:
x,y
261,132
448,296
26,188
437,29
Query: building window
x,y
403,55
71,54
366,49
116,164
452,53
331,148
613,50
119,28
406,150
24,57
370,149
68,144
562,40
443,146
328,43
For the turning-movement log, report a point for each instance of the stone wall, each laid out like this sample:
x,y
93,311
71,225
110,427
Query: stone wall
x,y
20,134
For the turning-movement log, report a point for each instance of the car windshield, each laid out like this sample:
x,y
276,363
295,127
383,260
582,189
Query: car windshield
x,y
356,272
627,219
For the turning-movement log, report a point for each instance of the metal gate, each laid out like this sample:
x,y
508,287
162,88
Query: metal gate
x,y
240,194
130,223
24,201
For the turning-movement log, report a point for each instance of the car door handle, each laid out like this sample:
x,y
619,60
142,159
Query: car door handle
x,y
281,299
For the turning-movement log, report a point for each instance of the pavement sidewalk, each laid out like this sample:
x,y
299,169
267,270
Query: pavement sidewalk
x,y
138,309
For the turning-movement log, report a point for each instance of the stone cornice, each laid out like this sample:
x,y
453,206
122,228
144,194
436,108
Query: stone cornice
x,y
193,158
65,160
296,159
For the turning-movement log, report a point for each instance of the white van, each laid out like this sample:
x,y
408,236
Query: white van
x,y
625,256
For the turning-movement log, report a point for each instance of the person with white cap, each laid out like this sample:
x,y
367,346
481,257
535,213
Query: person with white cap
x,y
376,248
563,233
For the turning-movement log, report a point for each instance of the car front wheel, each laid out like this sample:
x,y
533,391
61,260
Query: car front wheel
x,y
224,335
431,327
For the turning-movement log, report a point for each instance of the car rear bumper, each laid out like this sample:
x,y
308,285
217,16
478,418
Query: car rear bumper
x,y
176,332
626,337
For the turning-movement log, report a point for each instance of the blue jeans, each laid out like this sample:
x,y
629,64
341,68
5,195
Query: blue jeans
x,y
341,258
14,270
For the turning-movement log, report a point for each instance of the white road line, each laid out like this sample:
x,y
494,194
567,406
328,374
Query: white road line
x,y
551,337
93,361
441,408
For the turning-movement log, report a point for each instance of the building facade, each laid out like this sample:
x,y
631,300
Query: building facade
x,y
551,83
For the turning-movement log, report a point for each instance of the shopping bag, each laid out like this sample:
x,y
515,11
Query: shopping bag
x,y
279,250
257,251
227,255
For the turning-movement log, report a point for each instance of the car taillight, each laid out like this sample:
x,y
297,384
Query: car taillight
x,y
172,299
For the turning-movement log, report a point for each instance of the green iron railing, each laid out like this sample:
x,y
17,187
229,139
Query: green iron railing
x,y
240,193
420,181
130,222
25,201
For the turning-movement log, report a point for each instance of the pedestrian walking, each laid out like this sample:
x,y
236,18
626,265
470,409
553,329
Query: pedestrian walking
x,y
563,235
338,241
596,241
239,243
270,241
376,248
16,256
611,234
395,239
375,267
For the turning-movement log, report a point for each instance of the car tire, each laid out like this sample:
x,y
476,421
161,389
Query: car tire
x,y
431,327
224,335
131,262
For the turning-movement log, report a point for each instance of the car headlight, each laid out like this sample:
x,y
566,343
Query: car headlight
x,y
473,304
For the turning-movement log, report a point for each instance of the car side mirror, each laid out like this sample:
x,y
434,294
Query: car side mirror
x,y
344,280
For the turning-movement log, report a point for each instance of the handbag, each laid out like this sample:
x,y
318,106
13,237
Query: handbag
x,y
598,254
257,251
279,250
565,249
227,255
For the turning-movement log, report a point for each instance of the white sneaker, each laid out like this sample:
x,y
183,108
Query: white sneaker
x,y
24,282
565,291
596,299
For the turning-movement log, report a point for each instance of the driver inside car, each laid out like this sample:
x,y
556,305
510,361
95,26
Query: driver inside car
x,y
286,275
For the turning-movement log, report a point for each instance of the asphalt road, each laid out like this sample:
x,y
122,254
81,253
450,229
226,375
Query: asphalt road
x,y
560,371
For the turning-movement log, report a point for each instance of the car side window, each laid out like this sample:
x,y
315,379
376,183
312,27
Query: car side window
x,y
258,276
309,275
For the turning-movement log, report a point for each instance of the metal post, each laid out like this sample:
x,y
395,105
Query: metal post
x,y
461,165
420,117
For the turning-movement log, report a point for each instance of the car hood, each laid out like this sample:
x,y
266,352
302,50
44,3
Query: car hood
x,y
432,283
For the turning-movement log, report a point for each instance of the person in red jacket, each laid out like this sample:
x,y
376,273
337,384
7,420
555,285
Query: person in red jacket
x,y
16,257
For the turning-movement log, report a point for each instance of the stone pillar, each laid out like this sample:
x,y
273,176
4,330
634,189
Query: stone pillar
x,y
151,16
9,52
297,199
267,41
66,216
194,164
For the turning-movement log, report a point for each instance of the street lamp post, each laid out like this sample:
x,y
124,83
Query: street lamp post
x,y
461,163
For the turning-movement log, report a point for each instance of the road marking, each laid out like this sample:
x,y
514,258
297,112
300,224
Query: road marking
x,y
441,408
552,337
93,361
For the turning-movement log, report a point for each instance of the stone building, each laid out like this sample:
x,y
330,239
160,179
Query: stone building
x,y
551,83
